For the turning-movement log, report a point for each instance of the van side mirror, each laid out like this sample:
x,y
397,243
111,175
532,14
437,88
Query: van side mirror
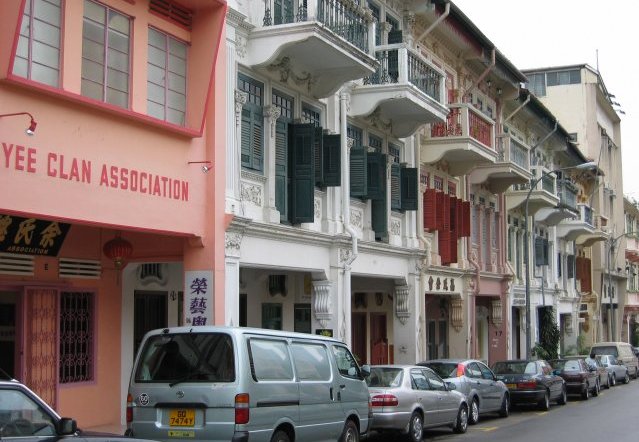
x,y
366,370
66,426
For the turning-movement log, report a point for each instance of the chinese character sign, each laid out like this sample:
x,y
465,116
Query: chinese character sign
x,y
31,236
198,299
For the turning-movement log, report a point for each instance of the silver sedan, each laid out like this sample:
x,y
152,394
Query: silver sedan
x,y
616,371
407,399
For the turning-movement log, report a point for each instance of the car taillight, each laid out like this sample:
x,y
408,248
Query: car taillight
x,y
460,370
242,408
129,408
384,400
527,384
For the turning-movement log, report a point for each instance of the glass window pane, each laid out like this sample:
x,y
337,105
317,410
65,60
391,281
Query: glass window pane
x,y
117,80
118,41
177,65
45,54
155,110
177,83
93,32
119,22
93,51
176,101
91,89
94,11
157,57
46,33
156,75
117,98
93,71
44,74
175,117
157,39
118,60
155,93
20,66
47,12
23,47
25,28
177,48
271,360
311,362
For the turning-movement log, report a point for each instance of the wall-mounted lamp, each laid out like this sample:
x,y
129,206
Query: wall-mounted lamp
x,y
499,91
32,126
206,165
489,83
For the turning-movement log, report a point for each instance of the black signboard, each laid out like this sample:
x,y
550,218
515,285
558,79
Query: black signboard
x,y
31,236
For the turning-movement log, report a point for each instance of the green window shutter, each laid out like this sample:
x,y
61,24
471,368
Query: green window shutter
x,y
376,175
539,251
546,250
257,139
570,266
332,151
318,155
281,169
246,137
359,172
379,216
396,197
302,173
409,188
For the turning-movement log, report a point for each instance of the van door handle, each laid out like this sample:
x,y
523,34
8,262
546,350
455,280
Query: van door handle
x,y
331,392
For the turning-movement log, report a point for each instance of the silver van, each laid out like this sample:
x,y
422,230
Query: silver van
x,y
620,350
246,385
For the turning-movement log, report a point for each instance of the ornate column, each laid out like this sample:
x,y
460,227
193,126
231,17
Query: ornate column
x,y
271,114
232,244
234,153
409,28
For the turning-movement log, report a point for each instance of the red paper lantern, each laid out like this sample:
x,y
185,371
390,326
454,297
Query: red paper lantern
x,y
118,250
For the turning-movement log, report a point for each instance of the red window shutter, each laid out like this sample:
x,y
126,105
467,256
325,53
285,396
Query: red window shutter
x,y
445,225
444,246
439,213
459,208
453,248
454,233
588,275
466,219
430,209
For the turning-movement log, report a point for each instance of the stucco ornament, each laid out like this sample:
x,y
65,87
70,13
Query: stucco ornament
x,y
241,99
232,243
251,193
402,303
322,302
272,113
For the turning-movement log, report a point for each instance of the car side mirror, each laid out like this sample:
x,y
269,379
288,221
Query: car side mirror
x,y
451,386
67,426
366,370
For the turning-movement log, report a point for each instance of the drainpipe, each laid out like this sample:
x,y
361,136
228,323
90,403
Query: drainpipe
x,y
543,140
436,23
486,71
346,214
475,265
521,106
427,246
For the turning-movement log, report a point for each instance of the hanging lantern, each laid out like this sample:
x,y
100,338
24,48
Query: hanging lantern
x,y
118,250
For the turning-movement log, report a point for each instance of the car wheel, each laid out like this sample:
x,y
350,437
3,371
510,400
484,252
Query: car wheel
x,y
473,415
636,373
585,395
416,428
350,432
563,399
607,382
626,378
614,380
280,436
595,392
504,411
545,402
461,423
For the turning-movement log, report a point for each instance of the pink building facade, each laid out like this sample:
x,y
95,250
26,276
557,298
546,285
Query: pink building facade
x,y
112,212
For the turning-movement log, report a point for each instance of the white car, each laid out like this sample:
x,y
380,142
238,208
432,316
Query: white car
x,y
616,371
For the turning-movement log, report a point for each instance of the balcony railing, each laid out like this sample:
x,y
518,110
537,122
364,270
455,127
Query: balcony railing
x,y
508,150
465,121
586,214
400,64
567,194
547,182
345,18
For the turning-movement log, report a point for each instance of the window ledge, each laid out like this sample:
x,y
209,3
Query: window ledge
x,y
101,106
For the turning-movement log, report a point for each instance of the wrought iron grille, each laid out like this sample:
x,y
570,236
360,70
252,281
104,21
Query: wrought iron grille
x,y
76,336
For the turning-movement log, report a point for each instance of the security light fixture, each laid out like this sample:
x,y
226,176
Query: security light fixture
x,y
32,125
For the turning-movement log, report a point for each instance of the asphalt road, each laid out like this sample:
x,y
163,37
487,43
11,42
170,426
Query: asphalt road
x,y
611,417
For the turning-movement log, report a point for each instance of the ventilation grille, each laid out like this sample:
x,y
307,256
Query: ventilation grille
x,y
172,11
13,264
79,268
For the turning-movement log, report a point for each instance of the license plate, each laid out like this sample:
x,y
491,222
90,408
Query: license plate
x,y
182,417
512,386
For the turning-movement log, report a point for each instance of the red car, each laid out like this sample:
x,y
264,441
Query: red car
x,y
580,378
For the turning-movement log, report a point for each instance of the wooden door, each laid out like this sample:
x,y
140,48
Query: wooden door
x,y
379,339
358,337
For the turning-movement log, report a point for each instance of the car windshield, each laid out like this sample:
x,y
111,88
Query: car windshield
x,y
385,377
192,357
604,350
21,416
515,367
564,365
443,369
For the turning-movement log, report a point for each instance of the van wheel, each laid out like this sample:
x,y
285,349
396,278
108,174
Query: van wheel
x,y
350,433
280,436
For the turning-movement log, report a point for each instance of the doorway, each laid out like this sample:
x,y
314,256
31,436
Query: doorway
x,y
379,339
8,309
358,337
149,312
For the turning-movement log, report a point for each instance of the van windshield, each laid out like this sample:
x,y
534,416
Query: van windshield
x,y
604,350
187,357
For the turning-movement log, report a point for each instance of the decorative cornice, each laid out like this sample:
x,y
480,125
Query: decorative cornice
x,y
272,113
402,303
232,243
246,175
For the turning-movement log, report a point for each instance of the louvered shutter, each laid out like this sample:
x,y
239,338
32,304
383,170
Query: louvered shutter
x,y
546,251
247,128
359,172
281,168
379,217
466,219
570,266
332,164
444,246
376,175
318,157
453,218
445,213
587,275
430,209
439,223
302,172
396,197
539,251
459,206
409,187
453,247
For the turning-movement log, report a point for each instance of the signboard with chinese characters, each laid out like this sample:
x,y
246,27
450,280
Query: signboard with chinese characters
x,y
198,299
31,236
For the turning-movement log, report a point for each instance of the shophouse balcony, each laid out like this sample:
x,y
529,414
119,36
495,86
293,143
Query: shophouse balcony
x,y
511,167
567,207
405,92
543,195
315,44
597,233
583,224
464,141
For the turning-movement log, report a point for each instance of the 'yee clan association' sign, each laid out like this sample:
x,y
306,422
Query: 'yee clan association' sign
x,y
30,236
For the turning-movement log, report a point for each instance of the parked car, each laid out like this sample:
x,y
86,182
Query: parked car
x,y
246,384
622,351
615,370
484,392
408,398
24,416
531,382
602,373
580,378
